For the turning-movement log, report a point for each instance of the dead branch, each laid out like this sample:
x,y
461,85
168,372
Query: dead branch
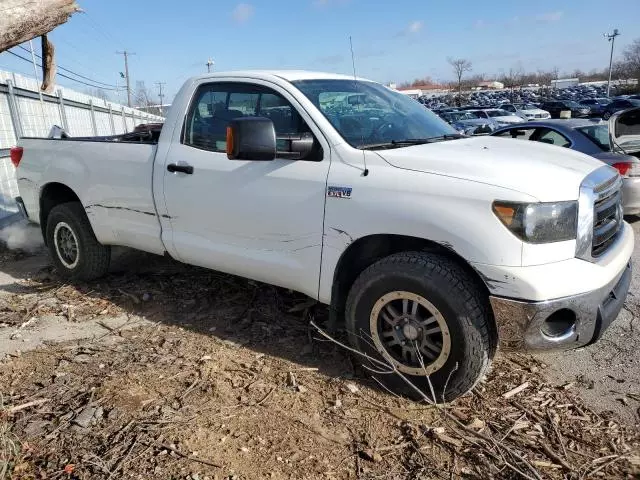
x,y
22,21
33,403
184,455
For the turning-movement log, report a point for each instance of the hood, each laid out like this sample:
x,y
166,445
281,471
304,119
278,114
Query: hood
x,y
475,121
536,111
624,130
546,172
508,119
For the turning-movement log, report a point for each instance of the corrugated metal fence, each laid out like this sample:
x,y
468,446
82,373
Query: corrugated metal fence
x,y
26,112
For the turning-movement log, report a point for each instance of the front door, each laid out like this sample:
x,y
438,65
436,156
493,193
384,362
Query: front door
x,y
258,219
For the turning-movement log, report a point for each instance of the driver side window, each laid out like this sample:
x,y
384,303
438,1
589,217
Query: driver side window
x,y
214,105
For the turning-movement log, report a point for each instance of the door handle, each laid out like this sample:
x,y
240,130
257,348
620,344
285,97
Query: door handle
x,y
172,167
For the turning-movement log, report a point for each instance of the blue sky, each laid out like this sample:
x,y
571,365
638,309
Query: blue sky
x,y
393,41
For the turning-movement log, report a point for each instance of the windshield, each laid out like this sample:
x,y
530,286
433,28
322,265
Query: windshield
x,y
458,116
598,134
499,113
366,113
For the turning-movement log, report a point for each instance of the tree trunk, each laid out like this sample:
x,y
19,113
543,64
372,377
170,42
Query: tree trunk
x,y
23,20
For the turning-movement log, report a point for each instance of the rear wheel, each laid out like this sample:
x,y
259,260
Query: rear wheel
x,y
72,244
422,314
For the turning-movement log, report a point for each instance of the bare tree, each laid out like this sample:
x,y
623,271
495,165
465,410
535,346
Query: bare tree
x,y
142,95
631,55
460,67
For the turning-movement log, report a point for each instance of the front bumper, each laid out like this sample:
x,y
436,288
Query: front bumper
x,y
520,324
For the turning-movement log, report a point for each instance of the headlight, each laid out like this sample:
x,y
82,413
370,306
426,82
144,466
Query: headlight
x,y
539,222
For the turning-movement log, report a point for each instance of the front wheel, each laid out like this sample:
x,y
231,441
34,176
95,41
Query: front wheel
x,y
606,116
72,244
427,318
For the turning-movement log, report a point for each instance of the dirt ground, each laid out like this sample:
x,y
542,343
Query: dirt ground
x,y
163,371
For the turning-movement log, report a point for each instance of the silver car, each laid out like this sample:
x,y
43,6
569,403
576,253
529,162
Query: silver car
x,y
526,111
620,149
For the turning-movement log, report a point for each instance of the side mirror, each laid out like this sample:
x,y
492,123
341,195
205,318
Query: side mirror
x,y
251,138
298,147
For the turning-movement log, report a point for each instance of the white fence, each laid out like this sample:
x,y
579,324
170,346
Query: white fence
x,y
24,112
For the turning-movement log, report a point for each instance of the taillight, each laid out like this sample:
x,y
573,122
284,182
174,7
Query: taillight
x,y
622,167
16,155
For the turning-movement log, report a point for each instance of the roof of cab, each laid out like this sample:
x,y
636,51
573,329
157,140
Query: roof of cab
x,y
289,75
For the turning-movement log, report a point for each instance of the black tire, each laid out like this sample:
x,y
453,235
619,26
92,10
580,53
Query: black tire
x,y
462,306
91,260
606,116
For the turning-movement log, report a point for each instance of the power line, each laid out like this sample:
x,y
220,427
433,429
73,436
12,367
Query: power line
x,y
62,74
98,28
71,71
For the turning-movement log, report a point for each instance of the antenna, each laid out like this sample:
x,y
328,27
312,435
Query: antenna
x,y
355,84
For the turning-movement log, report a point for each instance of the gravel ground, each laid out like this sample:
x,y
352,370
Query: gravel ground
x,y
606,372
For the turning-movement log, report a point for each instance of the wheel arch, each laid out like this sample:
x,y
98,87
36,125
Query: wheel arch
x,y
53,194
367,250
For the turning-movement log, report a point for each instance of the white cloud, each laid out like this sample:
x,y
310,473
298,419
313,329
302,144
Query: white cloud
x,y
550,17
243,12
414,28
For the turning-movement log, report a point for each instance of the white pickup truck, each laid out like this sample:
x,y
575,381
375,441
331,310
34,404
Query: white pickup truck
x,y
429,246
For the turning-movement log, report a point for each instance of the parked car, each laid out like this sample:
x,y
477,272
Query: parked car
x,y
574,109
526,111
597,105
499,118
430,247
467,123
588,137
618,105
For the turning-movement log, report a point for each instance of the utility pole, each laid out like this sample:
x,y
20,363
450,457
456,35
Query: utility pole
x,y
161,95
611,37
210,63
126,73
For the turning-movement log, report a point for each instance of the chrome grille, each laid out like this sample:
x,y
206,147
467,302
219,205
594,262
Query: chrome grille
x,y
607,215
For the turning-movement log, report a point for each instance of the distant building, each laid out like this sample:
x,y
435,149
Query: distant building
x,y
417,91
564,82
490,85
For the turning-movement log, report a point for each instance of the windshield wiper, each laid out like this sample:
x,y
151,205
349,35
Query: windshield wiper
x,y
446,136
411,141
